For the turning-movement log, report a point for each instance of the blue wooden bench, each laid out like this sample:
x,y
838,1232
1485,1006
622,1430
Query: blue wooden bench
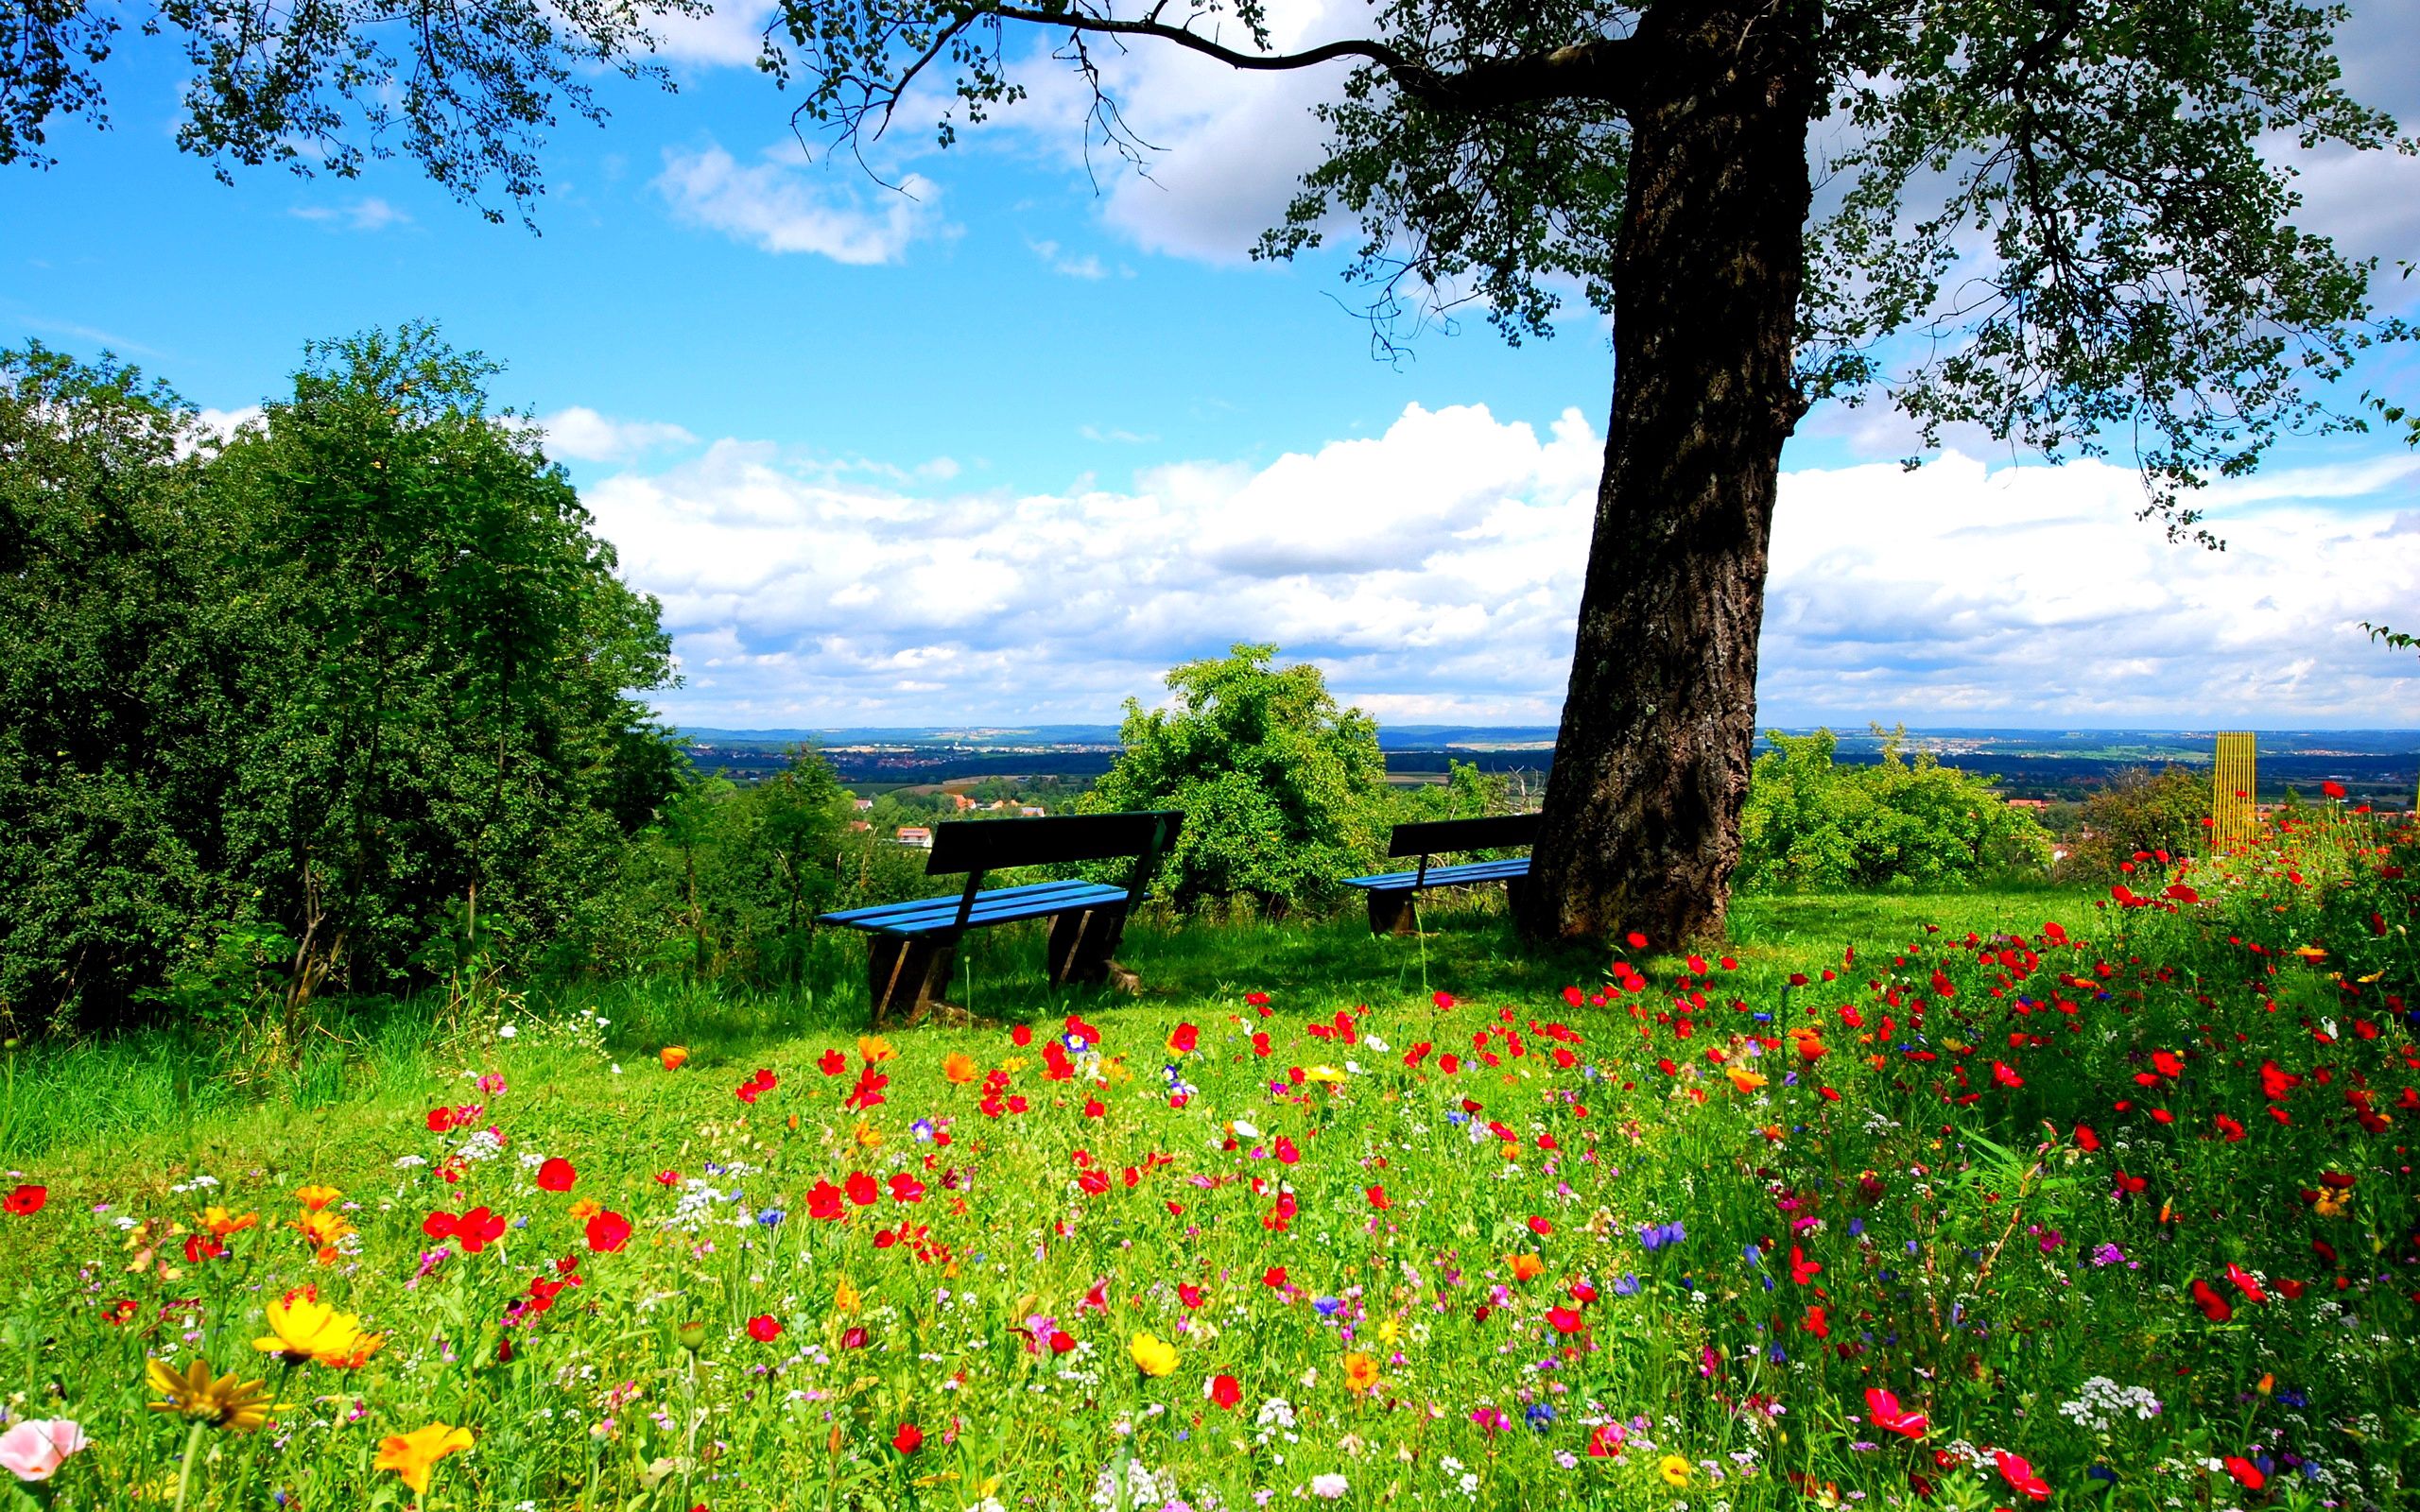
x,y
915,944
1393,894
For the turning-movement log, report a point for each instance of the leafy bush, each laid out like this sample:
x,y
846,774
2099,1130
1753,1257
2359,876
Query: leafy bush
x,y
355,680
2140,811
1283,792
1912,823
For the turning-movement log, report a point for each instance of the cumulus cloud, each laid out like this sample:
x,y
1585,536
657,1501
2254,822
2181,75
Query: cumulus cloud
x,y
582,434
782,205
1434,572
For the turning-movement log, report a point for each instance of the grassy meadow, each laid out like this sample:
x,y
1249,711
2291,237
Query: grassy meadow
x,y
1975,1200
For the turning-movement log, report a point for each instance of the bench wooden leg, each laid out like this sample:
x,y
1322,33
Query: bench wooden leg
x,y
905,977
1082,943
1393,911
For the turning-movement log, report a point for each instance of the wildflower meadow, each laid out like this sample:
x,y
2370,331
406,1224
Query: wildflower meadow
x,y
2110,1206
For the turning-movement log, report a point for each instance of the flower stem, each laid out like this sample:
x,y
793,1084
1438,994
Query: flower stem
x,y
185,1471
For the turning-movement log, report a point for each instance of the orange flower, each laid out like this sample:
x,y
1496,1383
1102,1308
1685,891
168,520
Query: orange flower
x,y
1526,1267
673,1056
1360,1372
1747,1081
585,1209
960,1067
315,1197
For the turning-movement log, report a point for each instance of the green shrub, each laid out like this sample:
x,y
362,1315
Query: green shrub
x,y
1909,823
2140,811
1283,793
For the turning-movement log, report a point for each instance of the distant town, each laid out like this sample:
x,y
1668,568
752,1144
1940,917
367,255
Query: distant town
x,y
1039,769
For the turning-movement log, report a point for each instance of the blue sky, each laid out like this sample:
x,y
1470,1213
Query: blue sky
x,y
1003,452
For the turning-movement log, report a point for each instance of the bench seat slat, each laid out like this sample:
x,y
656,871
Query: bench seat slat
x,y
1469,871
996,905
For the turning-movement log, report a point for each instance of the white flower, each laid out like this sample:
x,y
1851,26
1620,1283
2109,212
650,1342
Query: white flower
x,y
1245,1131
617,1068
507,1032
1329,1488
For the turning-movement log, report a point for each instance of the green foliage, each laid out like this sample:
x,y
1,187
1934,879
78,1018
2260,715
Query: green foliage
x,y
2140,811
1814,823
315,88
1282,791
360,679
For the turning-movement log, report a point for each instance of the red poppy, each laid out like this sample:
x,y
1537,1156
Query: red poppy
x,y
764,1328
2020,1476
1185,1039
1189,1295
909,1439
608,1231
832,1062
1225,1391
2247,1474
1817,1323
556,1174
2244,1282
1540,1227
824,1200
1565,1320
906,1187
26,1201
1801,1269
862,1189
2214,1307
2327,789
1378,1197
1882,1408
1273,1276
473,1230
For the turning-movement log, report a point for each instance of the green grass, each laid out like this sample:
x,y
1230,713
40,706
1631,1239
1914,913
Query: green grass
x,y
1469,1303
156,1093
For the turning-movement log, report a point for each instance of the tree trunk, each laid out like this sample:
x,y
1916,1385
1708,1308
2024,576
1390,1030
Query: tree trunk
x,y
1642,808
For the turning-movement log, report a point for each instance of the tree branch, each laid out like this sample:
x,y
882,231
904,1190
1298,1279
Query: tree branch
x,y
1605,69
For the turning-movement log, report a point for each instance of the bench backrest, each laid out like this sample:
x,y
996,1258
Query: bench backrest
x,y
987,844
977,846
1434,836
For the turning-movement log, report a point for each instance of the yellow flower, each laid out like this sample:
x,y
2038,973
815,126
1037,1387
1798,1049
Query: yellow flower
x,y
2331,1203
960,1067
414,1455
845,1297
1674,1470
1388,1331
1747,1081
1153,1357
868,1136
1360,1372
2310,952
221,1402
303,1329
315,1196
1322,1073
874,1049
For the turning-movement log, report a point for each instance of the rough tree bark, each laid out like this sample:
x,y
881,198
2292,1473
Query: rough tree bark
x,y
1651,765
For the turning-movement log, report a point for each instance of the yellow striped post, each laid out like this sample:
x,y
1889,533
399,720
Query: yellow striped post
x,y
2233,790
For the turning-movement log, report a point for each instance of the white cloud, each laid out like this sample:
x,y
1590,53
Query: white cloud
x,y
1435,571
731,35
582,434
777,204
367,215
224,424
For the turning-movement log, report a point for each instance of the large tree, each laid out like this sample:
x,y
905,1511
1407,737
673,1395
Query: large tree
x,y
2058,220
2065,222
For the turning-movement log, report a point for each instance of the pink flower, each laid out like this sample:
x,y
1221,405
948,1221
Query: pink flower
x,y
33,1451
